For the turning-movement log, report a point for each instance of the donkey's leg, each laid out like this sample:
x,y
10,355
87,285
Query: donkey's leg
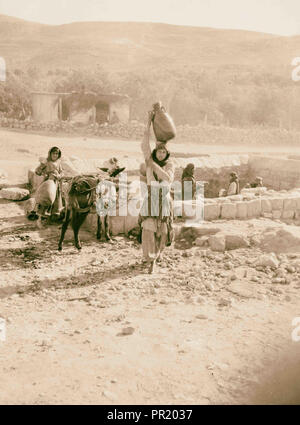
x,y
98,227
102,226
106,228
64,229
77,221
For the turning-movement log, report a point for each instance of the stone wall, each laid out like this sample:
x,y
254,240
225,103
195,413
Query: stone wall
x,y
277,173
215,170
251,203
203,134
269,204
130,130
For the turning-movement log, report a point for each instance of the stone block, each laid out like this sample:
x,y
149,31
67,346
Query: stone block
x,y
14,193
189,209
212,211
193,209
217,243
228,211
288,214
266,206
236,241
130,223
198,230
276,214
267,215
289,204
241,210
117,225
277,203
254,208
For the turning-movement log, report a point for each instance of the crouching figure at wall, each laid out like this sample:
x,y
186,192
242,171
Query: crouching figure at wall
x,y
234,186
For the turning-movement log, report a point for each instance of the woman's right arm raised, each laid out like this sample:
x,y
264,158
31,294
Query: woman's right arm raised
x,y
145,146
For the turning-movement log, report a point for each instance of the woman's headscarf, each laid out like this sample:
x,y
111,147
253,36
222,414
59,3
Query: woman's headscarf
x,y
188,171
153,155
54,149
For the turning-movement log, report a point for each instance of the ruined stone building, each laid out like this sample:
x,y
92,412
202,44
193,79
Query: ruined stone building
x,y
84,108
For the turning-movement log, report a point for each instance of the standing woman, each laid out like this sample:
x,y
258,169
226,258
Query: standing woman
x,y
188,175
156,213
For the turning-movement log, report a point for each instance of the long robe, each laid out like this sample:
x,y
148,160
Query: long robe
x,y
155,229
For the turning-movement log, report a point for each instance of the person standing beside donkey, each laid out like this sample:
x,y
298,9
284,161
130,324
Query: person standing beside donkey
x,y
156,213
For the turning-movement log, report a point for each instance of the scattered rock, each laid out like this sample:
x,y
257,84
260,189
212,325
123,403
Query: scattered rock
x,y
268,260
278,280
242,289
203,241
200,299
209,286
126,331
163,301
281,240
217,243
111,396
14,193
288,298
236,242
291,269
255,279
201,316
224,302
187,254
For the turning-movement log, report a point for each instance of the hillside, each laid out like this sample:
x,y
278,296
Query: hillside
x,y
221,77
133,46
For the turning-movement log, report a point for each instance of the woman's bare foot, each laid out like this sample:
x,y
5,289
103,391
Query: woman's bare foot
x,y
151,267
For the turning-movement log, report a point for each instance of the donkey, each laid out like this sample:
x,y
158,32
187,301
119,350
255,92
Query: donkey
x,y
81,198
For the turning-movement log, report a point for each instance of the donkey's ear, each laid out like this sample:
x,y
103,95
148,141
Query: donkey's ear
x,y
117,171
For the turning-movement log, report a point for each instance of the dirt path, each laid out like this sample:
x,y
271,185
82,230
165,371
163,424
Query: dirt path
x,y
190,340
21,151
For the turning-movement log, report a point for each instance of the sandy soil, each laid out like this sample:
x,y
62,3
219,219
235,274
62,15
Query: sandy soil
x,y
21,151
92,327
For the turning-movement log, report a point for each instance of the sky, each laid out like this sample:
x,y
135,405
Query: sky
x,y
271,16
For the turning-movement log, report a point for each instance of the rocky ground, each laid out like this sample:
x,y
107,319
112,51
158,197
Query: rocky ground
x,y
213,325
93,327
